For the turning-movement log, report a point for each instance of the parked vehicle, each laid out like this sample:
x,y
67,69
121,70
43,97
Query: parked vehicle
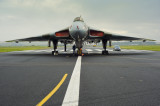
x,y
116,48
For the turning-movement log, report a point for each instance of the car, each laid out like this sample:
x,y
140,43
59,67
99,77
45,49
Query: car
x,y
116,48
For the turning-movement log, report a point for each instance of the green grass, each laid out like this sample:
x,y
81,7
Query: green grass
x,y
143,47
21,48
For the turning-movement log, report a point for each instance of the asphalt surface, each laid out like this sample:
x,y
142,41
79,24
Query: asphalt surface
x,y
122,78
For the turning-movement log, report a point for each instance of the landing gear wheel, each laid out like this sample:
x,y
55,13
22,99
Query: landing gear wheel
x,y
105,52
54,52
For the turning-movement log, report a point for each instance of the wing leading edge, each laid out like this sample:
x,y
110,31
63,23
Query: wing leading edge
x,y
59,35
98,34
45,37
123,38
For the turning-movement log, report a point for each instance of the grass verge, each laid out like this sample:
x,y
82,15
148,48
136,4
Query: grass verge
x,y
143,47
21,48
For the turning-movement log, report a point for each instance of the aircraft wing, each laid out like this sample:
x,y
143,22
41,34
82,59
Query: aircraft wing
x,y
44,37
59,35
98,34
115,37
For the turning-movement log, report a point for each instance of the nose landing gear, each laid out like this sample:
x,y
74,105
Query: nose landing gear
x,y
79,52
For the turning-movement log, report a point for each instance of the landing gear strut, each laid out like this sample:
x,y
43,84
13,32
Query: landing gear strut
x,y
65,46
104,42
55,43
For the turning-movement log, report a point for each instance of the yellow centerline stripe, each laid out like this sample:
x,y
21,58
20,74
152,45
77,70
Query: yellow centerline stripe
x,y
53,91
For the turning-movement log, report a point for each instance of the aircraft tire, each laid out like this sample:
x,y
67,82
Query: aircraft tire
x,y
54,52
105,53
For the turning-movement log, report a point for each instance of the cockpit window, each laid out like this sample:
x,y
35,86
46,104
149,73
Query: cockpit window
x,y
78,19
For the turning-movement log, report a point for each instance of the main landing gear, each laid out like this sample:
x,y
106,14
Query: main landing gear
x,y
65,46
104,42
105,52
55,43
54,52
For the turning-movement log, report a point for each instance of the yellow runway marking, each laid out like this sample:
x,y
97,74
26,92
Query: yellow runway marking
x,y
53,91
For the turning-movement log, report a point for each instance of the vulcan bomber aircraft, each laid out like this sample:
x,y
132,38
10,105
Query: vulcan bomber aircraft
x,y
79,33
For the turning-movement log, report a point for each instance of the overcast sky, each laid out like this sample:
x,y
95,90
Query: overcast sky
x,y
26,18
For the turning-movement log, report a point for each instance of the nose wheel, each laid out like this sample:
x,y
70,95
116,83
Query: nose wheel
x,y
79,52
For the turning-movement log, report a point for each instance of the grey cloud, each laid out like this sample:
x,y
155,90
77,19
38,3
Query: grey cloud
x,y
23,18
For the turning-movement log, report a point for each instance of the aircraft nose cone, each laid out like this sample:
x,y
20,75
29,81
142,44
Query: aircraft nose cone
x,y
76,34
78,31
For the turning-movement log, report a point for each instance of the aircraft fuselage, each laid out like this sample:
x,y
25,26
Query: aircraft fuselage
x,y
78,31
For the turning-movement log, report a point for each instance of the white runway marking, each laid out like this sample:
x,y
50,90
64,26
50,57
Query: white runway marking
x,y
28,51
98,50
63,50
39,50
89,50
50,50
72,94
132,50
109,49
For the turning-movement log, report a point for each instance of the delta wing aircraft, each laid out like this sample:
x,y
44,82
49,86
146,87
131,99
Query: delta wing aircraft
x,y
79,33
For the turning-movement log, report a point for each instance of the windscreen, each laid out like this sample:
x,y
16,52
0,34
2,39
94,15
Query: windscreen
x,y
78,19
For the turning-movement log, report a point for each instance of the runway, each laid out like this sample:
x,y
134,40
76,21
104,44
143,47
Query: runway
x,y
123,78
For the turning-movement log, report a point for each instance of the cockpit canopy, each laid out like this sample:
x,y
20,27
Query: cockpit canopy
x,y
78,19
